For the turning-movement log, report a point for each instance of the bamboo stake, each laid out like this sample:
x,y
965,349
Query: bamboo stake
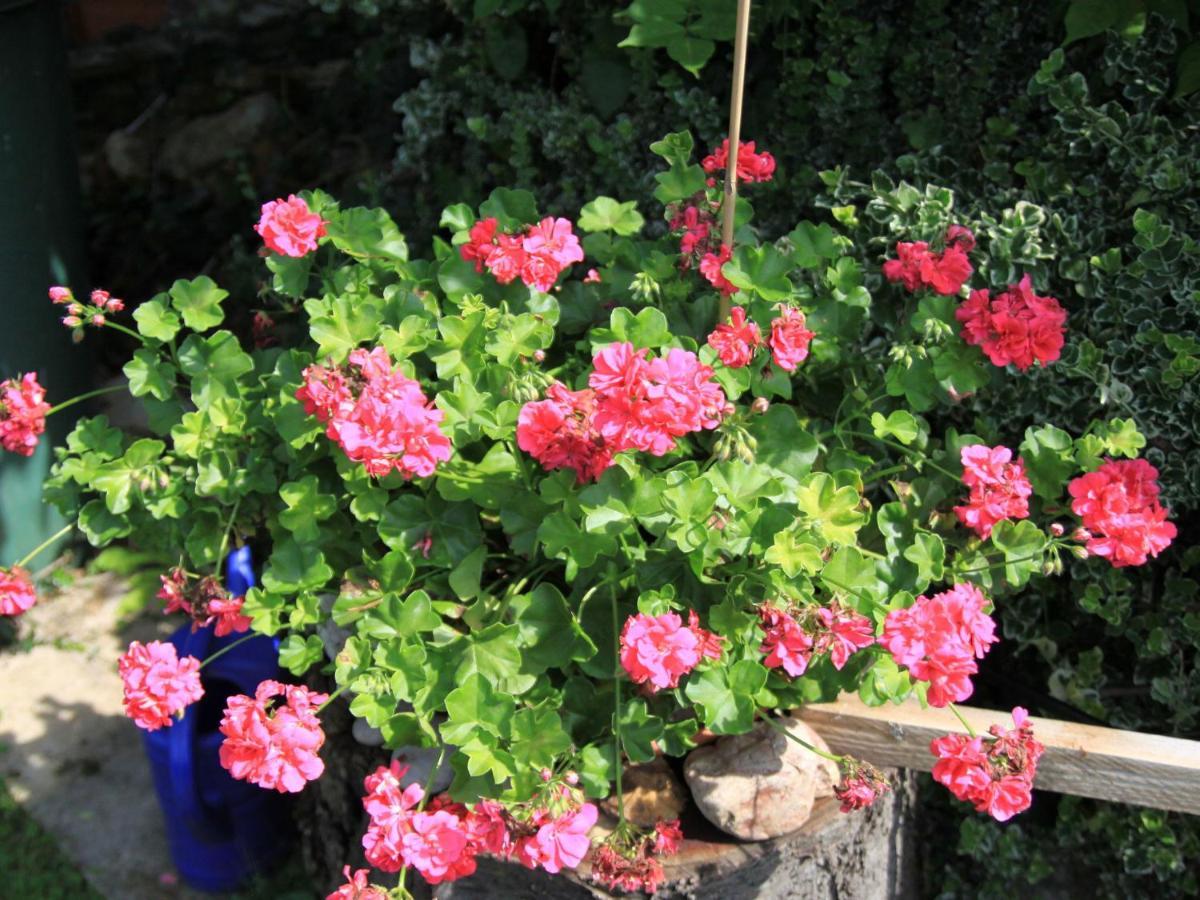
x,y
729,207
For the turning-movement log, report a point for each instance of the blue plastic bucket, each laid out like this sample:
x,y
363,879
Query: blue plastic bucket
x,y
221,831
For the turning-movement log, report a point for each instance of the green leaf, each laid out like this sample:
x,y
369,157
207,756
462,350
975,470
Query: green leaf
x,y
762,270
199,302
464,577
1122,438
812,244
1085,18
475,705
834,510
511,208
149,373
727,695
155,320
294,567
679,182
1187,73
1023,545
551,636
901,424
494,653
307,507
299,654
691,52
538,737
214,364
1049,459
367,233
291,274
675,148
928,554
649,328
347,324
783,444
607,214
794,554
639,730
100,526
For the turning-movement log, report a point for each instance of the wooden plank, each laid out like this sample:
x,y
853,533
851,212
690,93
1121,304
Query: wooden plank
x,y
1104,763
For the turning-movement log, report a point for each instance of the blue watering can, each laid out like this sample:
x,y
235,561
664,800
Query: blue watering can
x,y
221,831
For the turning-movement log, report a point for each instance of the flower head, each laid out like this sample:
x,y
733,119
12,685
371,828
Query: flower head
x,y
999,488
945,272
289,228
1122,518
1017,326
710,268
736,340
17,594
861,785
157,684
357,887
658,650
23,411
995,772
274,746
789,338
751,166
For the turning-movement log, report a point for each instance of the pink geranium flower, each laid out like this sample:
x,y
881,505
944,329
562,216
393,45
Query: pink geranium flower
x,y
996,772
357,887
736,340
17,594
274,746
1017,326
710,268
437,846
789,338
555,239
157,684
658,650
999,488
23,411
289,228
1122,518
562,843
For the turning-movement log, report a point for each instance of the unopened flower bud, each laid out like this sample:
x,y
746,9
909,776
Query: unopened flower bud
x,y
716,522
1056,529
760,405
572,778
729,409
1052,566
1080,552
546,774
75,309
145,484
72,321
1081,534
99,298
97,319
115,305
539,356
60,294
163,481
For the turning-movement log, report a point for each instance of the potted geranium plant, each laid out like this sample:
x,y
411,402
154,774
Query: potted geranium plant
x,y
573,514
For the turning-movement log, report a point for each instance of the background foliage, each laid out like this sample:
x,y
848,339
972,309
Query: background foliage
x,y
1098,139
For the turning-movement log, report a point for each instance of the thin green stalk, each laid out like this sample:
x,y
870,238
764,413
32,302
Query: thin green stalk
x,y
88,396
910,451
66,529
999,564
965,723
227,648
617,708
225,533
124,330
803,743
884,473
424,801
332,697
848,590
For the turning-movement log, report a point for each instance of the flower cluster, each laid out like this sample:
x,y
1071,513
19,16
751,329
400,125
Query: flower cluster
x,y
737,340
793,637
537,256
376,414
999,488
275,748
157,683
441,839
23,411
80,314
1016,326
939,638
289,228
634,403
861,785
357,887
1118,504
697,220
995,773
751,165
17,594
945,271
628,859
205,601
710,268
659,650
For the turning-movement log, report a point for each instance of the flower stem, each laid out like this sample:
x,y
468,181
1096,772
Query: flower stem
x,y
965,723
44,544
999,564
124,330
112,388
617,708
832,757
225,534
227,648
910,451
332,697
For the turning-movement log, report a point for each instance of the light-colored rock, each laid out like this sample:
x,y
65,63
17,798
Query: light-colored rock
x,y
652,793
420,761
760,785
204,142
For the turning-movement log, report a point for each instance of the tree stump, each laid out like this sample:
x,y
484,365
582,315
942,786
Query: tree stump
x,y
866,855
